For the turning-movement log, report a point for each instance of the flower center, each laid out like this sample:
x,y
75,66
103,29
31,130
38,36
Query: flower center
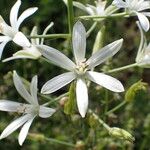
x,y
81,67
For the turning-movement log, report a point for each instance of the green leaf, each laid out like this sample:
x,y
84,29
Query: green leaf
x,y
134,89
70,105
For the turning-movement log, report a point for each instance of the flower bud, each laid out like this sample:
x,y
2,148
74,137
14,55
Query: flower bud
x,y
121,134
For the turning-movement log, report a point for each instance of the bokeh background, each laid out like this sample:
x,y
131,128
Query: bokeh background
x,y
134,117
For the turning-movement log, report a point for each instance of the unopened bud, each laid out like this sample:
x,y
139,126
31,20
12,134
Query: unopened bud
x,y
63,101
121,134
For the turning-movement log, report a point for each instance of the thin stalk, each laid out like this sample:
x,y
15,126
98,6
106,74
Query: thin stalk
x,y
59,142
116,108
122,68
99,120
70,15
91,29
117,15
56,99
41,137
51,36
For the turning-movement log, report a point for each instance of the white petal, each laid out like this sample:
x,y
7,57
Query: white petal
x,y
14,125
2,45
143,21
26,14
10,106
144,5
104,53
119,3
79,41
24,131
34,41
56,57
21,88
21,40
33,89
105,81
46,30
80,6
146,13
14,14
28,53
57,82
45,112
82,96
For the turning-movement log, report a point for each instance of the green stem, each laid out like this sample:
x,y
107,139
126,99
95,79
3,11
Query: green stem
x,y
41,137
91,29
56,99
70,15
124,14
99,120
116,108
51,36
122,68
59,142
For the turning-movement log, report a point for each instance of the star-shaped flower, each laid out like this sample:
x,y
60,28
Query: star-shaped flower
x,y
100,8
12,32
31,52
143,55
81,70
136,7
30,111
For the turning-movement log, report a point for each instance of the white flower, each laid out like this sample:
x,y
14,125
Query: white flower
x,y
99,9
12,32
143,55
31,52
81,70
30,111
136,7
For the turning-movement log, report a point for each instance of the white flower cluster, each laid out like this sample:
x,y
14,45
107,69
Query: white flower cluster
x,y
81,70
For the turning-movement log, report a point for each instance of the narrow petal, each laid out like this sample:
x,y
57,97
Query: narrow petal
x,y
79,41
14,14
21,40
80,6
106,81
33,89
57,82
82,96
56,57
14,125
26,14
106,52
24,131
10,106
28,53
21,88
34,41
45,112
143,21
146,14
143,5
119,3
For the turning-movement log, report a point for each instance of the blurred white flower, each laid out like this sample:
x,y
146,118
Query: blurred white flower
x,y
31,52
99,9
80,70
136,7
12,32
143,55
30,111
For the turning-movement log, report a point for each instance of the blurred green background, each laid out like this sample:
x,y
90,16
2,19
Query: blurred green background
x,y
133,117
